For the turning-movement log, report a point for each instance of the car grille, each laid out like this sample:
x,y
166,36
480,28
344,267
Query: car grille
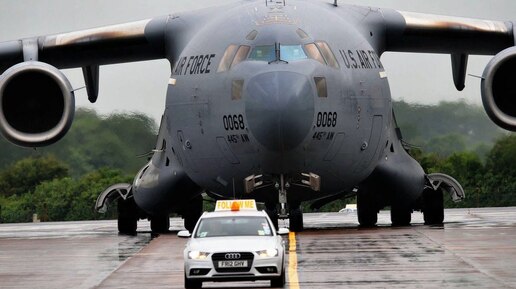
x,y
222,257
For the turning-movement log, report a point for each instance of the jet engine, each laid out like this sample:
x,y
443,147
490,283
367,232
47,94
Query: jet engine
x,y
499,89
37,104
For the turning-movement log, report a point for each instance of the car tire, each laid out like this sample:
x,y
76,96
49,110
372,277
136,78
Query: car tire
x,y
192,284
280,281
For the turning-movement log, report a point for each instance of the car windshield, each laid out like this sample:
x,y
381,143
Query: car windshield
x,y
233,226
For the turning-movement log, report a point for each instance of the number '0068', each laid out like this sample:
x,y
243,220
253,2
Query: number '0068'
x,y
326,119
233,122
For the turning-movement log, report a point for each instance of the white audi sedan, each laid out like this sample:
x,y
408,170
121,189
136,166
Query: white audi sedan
x,y
234,243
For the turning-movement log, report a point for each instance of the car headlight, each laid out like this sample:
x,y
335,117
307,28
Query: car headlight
x,y
196,255
267,253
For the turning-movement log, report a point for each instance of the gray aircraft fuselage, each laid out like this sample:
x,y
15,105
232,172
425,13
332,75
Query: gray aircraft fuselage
x,y
278,123
264,98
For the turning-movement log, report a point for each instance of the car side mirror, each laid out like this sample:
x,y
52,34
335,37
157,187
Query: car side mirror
x,y
283,231
184,234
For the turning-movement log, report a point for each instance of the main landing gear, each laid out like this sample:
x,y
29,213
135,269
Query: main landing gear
x,y
129,213
430,203
437,184
192,213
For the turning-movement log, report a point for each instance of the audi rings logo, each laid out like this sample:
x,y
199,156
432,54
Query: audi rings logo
x,y
232,256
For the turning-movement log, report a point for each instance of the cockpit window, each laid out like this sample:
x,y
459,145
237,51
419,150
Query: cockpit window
x,y
263,53
252,35
292,52
286,53
241,54
225,63
328,54
302,34
319,51
314,53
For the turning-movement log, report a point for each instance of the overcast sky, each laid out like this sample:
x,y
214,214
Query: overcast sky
x,y
142,86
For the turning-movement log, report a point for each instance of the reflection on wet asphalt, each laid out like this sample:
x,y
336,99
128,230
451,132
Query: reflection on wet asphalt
x,y
474,249
63,255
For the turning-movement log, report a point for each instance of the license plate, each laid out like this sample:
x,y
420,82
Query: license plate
x,y
232,264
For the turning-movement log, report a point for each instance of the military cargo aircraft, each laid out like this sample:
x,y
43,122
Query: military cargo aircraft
x,y
264,101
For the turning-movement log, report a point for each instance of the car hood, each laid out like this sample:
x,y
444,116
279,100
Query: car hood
x,y
232,244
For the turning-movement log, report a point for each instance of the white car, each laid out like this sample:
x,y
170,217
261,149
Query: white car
x,y
234,245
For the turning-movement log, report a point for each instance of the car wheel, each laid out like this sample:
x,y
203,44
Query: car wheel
x,y
280,281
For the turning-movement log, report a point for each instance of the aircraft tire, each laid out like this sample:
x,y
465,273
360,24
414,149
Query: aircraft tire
x,y
433,210
366,210
160,224
273,214
189,283
400,216
193,213
296,220
127,217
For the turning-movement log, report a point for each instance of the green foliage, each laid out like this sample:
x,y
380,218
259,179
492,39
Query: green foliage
x,y
15,209
94,142
63,199
23,176
69,200
447,127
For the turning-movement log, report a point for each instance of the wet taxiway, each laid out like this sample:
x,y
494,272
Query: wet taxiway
x,y
474,249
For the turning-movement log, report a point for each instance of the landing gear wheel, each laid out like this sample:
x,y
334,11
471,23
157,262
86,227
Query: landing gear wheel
x,y
160,224
280,281
192,213
296,219
400,216
366,210
127,216
433,207
271,211
189,283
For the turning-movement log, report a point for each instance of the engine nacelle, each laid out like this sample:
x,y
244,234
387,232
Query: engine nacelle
x,y
37,104
499,89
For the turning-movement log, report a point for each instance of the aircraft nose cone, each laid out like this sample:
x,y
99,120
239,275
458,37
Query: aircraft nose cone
x,y
279,109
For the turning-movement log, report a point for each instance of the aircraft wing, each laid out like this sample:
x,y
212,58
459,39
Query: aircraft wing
x,y
417,32
36,99
461,37
134,41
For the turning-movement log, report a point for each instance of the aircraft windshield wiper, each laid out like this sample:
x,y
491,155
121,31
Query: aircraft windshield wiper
x,y
277,51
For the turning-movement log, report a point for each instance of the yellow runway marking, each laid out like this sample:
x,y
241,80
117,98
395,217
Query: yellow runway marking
x,y
292,261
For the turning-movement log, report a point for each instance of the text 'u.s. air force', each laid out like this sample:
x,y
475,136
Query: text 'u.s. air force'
x,y
191,65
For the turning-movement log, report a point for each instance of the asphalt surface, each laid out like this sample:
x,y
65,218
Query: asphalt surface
x,y
474,249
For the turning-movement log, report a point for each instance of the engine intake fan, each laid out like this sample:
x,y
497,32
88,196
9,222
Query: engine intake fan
x,y
37,104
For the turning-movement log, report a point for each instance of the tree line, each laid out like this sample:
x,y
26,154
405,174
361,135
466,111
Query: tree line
x,y
62,182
